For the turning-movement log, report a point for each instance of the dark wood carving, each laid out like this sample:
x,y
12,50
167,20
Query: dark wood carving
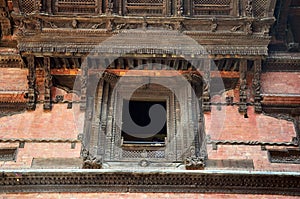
x,y
48,84
84,84
206,86
249,8
257,86
159,181
32,89
243,86
291,156
90,162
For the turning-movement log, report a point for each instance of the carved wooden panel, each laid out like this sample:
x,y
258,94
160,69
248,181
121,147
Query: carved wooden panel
x,y
145,7
76,6
260,7
29,6
215,7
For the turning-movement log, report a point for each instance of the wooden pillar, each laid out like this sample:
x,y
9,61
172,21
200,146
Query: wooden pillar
x,y
48,6
32,90
47,84
243,86
84,83
257,85
206,86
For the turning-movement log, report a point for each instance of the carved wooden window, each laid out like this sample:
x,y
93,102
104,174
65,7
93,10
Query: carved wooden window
x,y
145,7
28,6
213,7
76,6
139,112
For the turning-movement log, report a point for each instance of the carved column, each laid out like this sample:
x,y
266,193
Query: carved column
x,y
243,86
206,86
47,84
49,6
298,129
32,90
84,82
256,86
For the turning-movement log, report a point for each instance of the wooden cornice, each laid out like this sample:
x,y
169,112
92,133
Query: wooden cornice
x,y
197,181
281,100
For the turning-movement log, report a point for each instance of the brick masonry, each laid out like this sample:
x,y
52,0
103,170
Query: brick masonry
x,y
281,83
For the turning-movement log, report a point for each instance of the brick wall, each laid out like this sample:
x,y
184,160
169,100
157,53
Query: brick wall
x,y
13,79
281,83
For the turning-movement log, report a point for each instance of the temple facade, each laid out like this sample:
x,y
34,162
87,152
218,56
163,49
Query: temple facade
x,y
187,96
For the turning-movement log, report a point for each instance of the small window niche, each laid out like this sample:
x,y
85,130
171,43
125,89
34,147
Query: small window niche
x,y
139,113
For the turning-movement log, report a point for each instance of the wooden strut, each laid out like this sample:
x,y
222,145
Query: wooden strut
x,y
47,84
243,87
32,90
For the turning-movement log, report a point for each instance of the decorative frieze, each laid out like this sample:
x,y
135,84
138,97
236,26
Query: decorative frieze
x,y
158,181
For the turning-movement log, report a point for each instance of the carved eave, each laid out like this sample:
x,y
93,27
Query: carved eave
x,y
9,58
250,182
213,43
282,61
12,103
39,33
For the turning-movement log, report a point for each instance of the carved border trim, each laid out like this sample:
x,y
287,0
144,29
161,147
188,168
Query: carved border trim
x,y
168,181
38,140
215,143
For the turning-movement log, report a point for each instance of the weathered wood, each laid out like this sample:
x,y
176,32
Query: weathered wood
x,y
243,87
257,86
32,89
47,83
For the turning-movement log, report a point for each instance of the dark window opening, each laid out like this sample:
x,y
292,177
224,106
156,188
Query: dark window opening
x,y
139,113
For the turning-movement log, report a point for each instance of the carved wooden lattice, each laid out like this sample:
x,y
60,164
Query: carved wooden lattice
x,y
132,154
152,7
259,7
28,6
208,7
75,6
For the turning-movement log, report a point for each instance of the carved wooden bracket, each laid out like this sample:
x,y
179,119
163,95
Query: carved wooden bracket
x,y
243,86
194,163
84,83
256,84
47,83
206,86
32,90
91,162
